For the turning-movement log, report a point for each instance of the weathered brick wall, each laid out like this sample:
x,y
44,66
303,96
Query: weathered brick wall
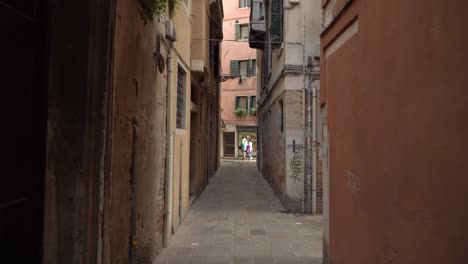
x,y
274,145
293,117
272,152
319,201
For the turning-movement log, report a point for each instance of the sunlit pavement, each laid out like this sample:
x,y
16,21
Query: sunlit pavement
x,y
238,219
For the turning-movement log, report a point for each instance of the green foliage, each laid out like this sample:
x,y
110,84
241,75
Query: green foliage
x,y
154,8
253,111
173,5
240,112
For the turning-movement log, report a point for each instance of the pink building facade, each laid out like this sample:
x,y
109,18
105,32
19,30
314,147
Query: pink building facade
x,y
239,85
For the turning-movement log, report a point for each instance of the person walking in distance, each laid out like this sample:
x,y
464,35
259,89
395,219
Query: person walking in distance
x,y
244,144
249,149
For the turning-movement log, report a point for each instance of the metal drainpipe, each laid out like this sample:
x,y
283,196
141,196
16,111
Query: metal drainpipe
x,y
314,148
308,139
133,239
169,153
304,91
312,99
308,132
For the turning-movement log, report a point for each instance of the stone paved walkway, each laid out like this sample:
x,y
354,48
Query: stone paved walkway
x,y
237,219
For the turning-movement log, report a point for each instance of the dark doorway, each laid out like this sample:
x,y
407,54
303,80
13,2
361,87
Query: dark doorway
x,y
229,144
24,80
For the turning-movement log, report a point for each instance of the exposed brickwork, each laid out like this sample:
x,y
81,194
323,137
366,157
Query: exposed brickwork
x,y
293,116
319,187
273,158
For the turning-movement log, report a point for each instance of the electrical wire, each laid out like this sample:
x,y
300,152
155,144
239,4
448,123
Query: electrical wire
x,y
243,41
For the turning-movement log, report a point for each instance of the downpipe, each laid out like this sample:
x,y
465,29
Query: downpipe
x,y
170,154
311,138
314,149
309,150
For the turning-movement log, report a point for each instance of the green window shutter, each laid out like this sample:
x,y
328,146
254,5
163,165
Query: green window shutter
x,y
254,68
237,102
276,31
234,68
237,31
249,68
253,102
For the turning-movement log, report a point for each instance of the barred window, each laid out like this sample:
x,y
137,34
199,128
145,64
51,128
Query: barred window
x,y
181,84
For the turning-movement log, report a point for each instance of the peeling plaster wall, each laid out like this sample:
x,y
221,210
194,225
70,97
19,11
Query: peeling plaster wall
x,y
140,95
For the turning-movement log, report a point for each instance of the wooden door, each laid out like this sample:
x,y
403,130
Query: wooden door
x,y
229,144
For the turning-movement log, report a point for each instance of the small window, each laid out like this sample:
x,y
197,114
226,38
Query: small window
x,y
243,68
244,3
241,102
181,84
244,31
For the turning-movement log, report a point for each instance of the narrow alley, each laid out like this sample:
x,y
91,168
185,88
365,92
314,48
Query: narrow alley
x,y
234,131
238,219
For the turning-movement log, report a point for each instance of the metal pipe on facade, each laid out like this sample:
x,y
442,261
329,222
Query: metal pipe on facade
x,y
308,142
304,91
314,149
169,152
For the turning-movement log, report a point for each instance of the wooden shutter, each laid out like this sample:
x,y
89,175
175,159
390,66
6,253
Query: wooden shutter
x,y
276,31
237,102
234,68
237,31
249,68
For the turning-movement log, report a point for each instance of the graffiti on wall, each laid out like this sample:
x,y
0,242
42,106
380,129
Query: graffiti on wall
x,y
354,183
295,164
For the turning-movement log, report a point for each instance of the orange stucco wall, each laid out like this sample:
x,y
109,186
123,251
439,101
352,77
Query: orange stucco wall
x,y
397,102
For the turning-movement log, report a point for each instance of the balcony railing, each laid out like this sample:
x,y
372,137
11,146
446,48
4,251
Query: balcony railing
x,y
257,24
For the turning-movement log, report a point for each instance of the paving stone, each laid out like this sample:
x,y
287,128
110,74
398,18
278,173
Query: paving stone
x,y
238,219
257,232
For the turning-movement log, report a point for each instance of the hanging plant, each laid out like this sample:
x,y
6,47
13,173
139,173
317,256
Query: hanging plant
x,y
253,111
154,8
173,5
240,112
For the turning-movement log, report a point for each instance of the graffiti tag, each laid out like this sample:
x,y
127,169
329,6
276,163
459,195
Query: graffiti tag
x,y
295,164
354,183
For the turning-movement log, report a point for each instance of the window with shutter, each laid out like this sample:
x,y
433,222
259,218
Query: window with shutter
x,y
234,68
243,68
244,3
181,84
253,102
254,68
238,33
244,31
249,68
241,102
276,32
